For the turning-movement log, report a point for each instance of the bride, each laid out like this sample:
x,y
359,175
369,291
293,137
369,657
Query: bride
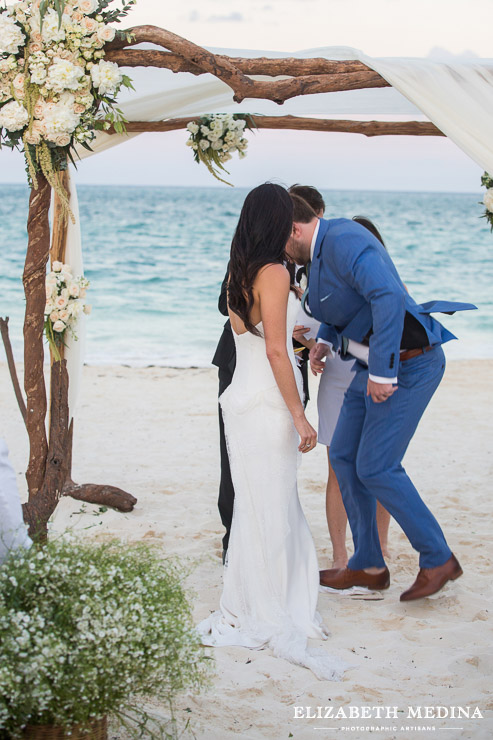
x,y
271,580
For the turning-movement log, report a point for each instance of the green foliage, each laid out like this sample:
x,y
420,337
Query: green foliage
x,y
86,630
487,182
114,16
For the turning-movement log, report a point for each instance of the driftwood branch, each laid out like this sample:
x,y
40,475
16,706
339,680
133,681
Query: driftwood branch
x,y
234,72
291,66
367,128
38,248
43,503
4,329
109,496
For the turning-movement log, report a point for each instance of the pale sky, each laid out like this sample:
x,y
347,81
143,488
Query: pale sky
x,y
377,27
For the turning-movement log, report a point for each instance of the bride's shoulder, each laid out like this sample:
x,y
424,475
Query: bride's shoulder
x,y
273,273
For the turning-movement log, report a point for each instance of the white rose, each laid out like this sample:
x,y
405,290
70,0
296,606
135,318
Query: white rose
x,y
106,76
57,266
13,116
73,290
64,315
106,33
54,316
192,127
11,36
87,308
59,326
18,82
88,6
488,200
89,25
204,144
62,140
63,75
61,301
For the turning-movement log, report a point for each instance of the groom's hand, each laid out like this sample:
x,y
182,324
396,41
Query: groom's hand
x,y
379,392
317,354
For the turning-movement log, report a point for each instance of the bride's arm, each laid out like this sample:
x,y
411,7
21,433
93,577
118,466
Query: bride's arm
x,y
272,287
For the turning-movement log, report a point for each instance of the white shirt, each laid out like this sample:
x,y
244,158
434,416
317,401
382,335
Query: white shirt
x,y
358,350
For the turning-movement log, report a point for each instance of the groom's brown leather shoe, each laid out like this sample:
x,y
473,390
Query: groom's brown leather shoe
x,y
341,578
431,580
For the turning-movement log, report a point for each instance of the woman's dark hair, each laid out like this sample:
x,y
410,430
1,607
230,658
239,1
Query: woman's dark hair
x,y
260,239
370,226
311,195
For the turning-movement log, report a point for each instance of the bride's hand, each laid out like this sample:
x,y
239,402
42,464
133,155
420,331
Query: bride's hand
x,y
308,435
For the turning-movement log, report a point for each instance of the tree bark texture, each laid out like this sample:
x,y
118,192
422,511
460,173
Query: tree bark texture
x,y
367,128
38,248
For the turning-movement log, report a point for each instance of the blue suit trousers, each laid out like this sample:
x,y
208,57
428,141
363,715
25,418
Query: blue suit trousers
x,y
369,443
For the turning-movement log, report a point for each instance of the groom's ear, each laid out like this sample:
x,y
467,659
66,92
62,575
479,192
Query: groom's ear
x,y
297,230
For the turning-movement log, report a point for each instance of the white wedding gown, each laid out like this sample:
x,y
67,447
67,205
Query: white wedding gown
x,y
271,580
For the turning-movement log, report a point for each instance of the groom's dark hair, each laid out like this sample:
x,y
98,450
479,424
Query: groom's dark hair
x,y
303,213
310,194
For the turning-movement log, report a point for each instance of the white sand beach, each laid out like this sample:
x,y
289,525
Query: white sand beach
x,y
153,432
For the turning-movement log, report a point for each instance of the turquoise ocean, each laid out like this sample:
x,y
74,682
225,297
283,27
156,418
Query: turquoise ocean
x,y
156,258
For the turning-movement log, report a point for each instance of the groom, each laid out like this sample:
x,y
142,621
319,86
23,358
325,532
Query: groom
x,y
355,291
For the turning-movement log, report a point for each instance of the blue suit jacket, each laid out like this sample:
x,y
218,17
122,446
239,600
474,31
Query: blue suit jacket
x,y
354,287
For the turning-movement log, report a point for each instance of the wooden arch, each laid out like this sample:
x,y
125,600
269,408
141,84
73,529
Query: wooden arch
x,y
49,470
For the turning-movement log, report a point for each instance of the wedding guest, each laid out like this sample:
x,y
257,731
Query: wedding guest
x,y
225,360
13,533
334,381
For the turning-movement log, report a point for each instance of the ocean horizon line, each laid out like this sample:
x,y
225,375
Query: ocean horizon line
x,y
224,188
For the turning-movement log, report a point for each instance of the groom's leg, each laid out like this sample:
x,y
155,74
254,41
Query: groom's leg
x,y
360,505
387,431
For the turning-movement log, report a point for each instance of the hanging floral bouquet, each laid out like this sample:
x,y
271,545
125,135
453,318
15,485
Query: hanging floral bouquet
x,y
213,139
56,89
64,304
487,182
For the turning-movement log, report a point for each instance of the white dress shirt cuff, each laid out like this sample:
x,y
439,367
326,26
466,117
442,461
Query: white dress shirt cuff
x,y
378,379
329,344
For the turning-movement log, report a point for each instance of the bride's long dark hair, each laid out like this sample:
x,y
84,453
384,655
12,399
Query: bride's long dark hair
x,y
264,227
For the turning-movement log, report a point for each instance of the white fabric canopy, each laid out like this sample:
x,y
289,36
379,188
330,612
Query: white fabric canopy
x,y
456,94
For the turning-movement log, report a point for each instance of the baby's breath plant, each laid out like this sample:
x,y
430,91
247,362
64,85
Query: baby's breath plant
x,y
87,630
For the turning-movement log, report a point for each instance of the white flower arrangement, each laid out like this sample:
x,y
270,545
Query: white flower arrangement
x,y
56,89
487,182
64,304
214,138
86,630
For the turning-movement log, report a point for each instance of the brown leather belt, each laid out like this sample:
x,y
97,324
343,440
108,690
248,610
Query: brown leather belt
x,y
410,353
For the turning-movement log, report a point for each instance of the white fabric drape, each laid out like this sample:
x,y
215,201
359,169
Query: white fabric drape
x,y
456,95
74,348
458,98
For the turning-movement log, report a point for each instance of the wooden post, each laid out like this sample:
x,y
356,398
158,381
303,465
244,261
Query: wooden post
x,y
34,276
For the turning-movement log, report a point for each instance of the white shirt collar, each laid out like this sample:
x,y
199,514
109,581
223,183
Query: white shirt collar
x,y
314,239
